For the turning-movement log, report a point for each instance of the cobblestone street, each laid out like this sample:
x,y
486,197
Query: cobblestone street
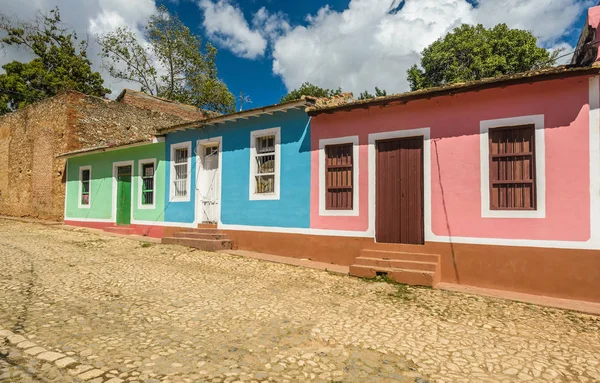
x,y
77,306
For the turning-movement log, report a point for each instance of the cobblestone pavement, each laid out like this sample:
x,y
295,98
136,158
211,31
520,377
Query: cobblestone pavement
x,y
76,306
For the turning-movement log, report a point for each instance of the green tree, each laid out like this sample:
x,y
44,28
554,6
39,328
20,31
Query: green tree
x,y
378,93
60,62
474,52
187,73
308,89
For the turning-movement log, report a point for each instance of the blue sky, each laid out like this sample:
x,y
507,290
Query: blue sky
x,y
269,46
255,77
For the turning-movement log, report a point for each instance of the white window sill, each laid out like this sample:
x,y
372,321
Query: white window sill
x,y
339,213
264,197
180,199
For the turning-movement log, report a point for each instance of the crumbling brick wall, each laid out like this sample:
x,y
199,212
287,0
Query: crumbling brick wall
x,y
145,101
32,182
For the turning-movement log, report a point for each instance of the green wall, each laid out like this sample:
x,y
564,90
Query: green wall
x,y
101,188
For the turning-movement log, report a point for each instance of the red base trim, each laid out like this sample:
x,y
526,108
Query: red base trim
x,y
143,230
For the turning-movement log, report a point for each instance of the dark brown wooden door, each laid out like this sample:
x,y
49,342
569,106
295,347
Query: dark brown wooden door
x,y
399,191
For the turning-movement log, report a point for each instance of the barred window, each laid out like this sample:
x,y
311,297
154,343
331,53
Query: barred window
x,y
147,189
84,187
265,164
180,172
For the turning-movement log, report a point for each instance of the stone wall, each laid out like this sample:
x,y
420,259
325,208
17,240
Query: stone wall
x,y
146,101
32,180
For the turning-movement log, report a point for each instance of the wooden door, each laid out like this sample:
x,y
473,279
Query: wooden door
x,y
399,191
123,195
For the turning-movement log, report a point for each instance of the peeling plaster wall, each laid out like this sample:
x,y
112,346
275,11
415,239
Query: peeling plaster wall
x,y
32,180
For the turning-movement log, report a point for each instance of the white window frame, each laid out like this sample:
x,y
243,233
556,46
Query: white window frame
x,y
323,173
540,166
172,196
141,164
79,204
253,136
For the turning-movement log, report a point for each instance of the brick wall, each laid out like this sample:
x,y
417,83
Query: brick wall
x,y
31,178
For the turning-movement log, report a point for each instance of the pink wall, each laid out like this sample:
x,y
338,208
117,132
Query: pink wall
x,y
454,123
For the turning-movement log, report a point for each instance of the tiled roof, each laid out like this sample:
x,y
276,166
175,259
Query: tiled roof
x,y
531,76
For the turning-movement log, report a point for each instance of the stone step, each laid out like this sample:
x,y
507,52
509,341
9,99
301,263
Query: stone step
x,y
406,276
202,244
207,226
124,230
399,255
203,230
396,264
194,234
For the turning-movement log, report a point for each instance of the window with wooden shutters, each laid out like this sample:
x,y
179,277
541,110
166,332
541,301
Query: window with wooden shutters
x,y
338,177
512,168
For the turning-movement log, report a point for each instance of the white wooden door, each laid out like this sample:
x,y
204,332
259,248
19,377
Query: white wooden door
x,y
209,188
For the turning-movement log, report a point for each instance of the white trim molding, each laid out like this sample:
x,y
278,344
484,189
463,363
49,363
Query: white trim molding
x,y
181,145
164,224
594,121
323,172
252,184
296,230
140,183
89,204
419,132
540,166
103,220
116,165
201,144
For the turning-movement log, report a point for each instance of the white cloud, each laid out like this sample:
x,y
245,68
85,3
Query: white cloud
x,y
226,24
549,20
565,52
86,18
374,42
366,45
270,25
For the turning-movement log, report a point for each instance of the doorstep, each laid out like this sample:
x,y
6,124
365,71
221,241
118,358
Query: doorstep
x,y
290,261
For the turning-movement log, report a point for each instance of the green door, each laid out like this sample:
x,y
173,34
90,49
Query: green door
x,y
123,195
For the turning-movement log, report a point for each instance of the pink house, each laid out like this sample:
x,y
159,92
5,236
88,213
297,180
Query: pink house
x,y
494,184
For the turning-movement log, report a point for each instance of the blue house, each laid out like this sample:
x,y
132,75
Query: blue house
x,y
245,170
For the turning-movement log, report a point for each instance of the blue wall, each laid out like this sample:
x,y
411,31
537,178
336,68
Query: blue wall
x,y
293,207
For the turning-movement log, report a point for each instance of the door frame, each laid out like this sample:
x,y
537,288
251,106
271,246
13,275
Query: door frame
x,y
419,132
115,181
200,144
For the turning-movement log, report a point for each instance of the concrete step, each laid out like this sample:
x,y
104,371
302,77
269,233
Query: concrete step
x,y
406,276
202,244
124,230
399,255
193,234
396,264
